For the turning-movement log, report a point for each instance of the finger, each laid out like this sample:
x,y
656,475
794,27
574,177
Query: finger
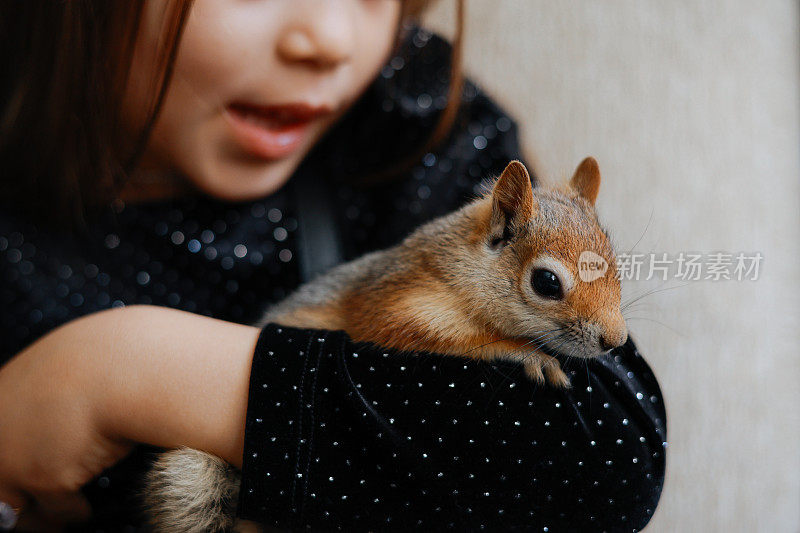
x,y
30,523
61,508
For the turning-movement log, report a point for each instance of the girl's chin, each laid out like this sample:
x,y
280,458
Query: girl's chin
x,y
244,179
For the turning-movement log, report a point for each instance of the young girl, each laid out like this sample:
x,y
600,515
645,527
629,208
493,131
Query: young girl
x,y
186,157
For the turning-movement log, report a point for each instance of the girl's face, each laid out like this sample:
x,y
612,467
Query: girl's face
x,y
256,84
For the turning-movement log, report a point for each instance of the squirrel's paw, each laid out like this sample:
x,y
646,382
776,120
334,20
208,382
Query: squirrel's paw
x,y
541,368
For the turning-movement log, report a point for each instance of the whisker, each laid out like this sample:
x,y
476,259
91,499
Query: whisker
x,y
637,305
506,339
676,331
540,342
649,220
654,291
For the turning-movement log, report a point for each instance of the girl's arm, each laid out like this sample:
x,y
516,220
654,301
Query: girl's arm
x,y
74,402
172,378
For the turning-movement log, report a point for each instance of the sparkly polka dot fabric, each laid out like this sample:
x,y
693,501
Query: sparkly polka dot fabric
x,y
343,437
353,438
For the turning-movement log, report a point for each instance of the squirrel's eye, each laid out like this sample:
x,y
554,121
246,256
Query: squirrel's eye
x,y
546,284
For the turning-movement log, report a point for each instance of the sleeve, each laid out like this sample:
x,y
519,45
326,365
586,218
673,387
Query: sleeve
x,y
34,289
341,436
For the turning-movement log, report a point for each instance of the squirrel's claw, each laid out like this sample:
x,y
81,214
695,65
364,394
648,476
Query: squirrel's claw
x,y
552,373
533,368
556,376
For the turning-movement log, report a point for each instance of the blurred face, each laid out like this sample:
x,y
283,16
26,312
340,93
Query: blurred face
x,y
256,84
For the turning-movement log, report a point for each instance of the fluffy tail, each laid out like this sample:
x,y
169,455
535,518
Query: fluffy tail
x,y
189,491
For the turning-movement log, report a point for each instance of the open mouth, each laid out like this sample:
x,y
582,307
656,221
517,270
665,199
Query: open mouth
x,y
272,132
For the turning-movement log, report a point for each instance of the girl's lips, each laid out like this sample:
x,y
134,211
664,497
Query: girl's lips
x,y
271,132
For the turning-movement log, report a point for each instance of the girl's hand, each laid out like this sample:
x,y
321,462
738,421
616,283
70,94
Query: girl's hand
x,y
50,444
74,402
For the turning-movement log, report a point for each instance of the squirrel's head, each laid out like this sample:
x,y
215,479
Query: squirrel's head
x,y
551,262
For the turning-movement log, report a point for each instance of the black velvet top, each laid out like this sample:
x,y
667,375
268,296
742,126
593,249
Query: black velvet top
x,y
350,437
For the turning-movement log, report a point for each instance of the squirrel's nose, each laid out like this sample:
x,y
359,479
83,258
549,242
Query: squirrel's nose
x,y
609,344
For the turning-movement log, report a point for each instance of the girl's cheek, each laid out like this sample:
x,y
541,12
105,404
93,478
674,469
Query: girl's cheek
x,y
228,53
378,22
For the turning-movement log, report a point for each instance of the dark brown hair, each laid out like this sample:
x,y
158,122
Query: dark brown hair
x,y
66,67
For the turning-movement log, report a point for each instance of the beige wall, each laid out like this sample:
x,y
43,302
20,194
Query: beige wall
x,y
691,108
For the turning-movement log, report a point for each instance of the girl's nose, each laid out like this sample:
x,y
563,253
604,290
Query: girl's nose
x,y
321,35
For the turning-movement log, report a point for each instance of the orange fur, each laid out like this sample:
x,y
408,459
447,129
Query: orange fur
x,y
444,291
586,180
320,317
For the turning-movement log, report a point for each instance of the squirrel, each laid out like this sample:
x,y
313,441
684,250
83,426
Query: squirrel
x,y
499,278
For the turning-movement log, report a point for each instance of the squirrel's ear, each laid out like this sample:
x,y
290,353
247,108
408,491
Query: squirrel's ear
x,y
586,180
512,199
